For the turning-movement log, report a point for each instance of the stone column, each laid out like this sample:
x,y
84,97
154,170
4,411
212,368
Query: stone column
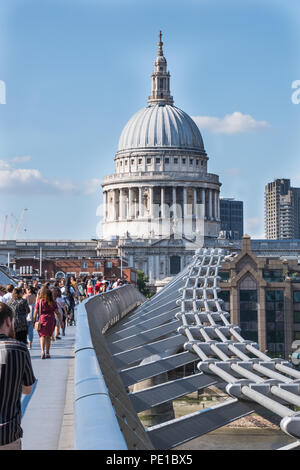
x,y
121,205
210,204
261,319
234,306
162,202
217,205
141,212
114,209
195,203
184,201
130,208
203,201
151,202
174,201
214,204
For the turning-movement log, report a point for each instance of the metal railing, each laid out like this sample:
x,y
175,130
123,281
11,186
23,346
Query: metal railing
x,y
98,423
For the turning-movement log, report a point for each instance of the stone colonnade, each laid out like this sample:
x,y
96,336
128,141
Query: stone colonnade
x,y
138,202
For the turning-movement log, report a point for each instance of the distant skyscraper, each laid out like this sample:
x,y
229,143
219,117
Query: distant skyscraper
x,y
232,218
282,210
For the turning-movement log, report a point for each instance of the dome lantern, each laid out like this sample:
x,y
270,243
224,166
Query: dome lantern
x,y
160,93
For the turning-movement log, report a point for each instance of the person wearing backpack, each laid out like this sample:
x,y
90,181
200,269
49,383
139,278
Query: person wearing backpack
x,y
81,290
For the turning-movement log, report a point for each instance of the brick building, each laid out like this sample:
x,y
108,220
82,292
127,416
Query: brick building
x,y
109,269
262,294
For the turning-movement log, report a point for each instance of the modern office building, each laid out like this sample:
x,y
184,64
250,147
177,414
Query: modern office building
x,y
232,218
262,294
282,210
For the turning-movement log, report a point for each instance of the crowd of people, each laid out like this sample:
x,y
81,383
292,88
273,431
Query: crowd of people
x,y
49,307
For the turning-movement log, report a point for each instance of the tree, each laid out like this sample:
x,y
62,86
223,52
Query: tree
x,y
141,283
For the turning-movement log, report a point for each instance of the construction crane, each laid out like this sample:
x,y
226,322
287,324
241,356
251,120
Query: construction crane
x,y
19,222
4,227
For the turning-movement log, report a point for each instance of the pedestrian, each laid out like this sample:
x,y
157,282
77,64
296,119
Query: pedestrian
x,y
90,288
98,285
2,292
62,308
21,309
46,310
16,377
30,296
81,290
69,295
8,295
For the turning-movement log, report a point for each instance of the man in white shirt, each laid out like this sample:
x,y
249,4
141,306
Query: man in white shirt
x,y
6,297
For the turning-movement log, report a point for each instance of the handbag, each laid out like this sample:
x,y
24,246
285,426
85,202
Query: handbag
x,y
37,324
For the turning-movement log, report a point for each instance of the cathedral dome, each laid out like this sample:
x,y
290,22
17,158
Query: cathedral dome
x,y
161,126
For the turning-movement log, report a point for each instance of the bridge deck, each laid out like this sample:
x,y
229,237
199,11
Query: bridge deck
x,y
47,420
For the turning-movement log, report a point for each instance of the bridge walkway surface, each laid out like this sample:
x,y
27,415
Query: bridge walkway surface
x,y
47,414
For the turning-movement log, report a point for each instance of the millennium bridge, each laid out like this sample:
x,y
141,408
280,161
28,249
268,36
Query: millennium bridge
x,y
122,352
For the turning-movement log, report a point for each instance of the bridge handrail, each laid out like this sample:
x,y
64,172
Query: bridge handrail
x,y
95,424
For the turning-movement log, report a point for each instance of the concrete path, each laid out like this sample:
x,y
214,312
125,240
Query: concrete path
x,y
47,420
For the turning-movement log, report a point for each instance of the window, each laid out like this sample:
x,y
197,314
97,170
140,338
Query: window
x,y
224,275
273,275
275,322
98,273
248,295
132,161
148,161
296,296
296,317
84,264
97,264
140,161
174,264
274,295
167,160
224,295
175,161
109,264
248,314
125,162
191,161
197,162
183,161
157,160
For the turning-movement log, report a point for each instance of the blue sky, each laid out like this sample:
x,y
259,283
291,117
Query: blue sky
x,y
76,70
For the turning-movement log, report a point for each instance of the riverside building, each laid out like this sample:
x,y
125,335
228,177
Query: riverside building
x,y
161,202
261,290
282,210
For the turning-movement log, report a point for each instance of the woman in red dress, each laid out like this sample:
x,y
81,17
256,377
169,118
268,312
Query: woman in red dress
x,y
46,309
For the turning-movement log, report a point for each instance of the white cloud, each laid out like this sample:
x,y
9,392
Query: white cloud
x,y
234,123
23,181
92,186
23,159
